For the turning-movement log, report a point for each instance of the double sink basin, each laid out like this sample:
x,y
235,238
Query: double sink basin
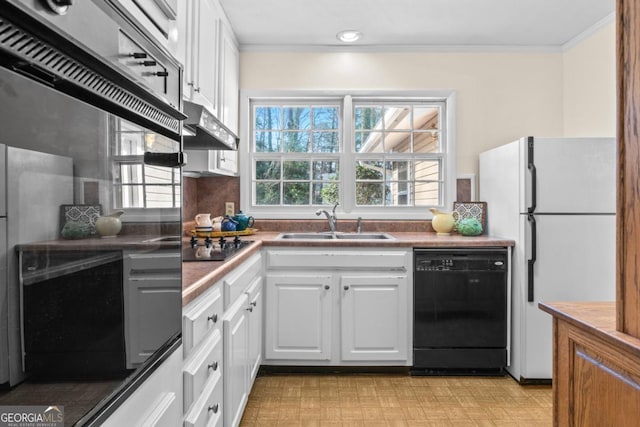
x,y
336,236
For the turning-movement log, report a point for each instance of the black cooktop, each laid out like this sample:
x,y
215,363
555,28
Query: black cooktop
x,y
211,250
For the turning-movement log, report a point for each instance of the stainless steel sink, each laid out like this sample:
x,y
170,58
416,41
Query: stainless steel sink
x,y
336,236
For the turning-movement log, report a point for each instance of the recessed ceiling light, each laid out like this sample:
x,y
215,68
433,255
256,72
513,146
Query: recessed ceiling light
x,y
349,36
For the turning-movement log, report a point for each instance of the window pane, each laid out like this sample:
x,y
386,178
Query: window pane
x,y
296,193
426,142
369,170
267,118
296,170
296,142
130,173
325,142
267,169
326,193
325,170
367,117
158,175
427,170
426,194
296,118
268,141
426,117
370,193
267,193
397,170
158,196
397,117
398,193
397,142
369,142
325,118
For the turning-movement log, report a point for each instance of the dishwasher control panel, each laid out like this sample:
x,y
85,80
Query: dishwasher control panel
x,y
460,260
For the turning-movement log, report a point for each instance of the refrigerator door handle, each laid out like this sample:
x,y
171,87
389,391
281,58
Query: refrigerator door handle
x,y
532,260
532,170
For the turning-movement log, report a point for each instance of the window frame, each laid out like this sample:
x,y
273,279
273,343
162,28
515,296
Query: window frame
x,y
347,208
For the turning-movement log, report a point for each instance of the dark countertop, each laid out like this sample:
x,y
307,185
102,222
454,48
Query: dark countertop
x,y
197,277
135,241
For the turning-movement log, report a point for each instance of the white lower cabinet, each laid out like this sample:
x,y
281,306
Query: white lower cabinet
x,y
370,290
236,357
299,316
157,402
222,332
152,283
374,317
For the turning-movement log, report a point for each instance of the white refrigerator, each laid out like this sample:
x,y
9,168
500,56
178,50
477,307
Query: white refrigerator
x,y
33,185
556,198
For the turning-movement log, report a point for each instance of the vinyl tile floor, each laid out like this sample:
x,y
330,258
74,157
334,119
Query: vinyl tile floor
x,y
395,400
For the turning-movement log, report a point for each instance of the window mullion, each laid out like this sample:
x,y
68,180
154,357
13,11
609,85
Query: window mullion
x,y
347,169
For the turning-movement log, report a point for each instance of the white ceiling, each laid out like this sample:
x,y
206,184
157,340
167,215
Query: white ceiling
x,y
406,24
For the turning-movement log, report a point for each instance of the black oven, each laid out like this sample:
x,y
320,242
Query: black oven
x,y
91,127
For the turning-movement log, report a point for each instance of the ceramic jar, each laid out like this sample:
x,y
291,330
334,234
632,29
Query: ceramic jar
x,y
442,222
109,225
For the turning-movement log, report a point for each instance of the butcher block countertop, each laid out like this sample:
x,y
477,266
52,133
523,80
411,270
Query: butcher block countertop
x,y
197,277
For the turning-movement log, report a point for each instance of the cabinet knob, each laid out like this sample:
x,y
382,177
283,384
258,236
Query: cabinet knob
x,y
138,55
197,89
327,287
213,318
149,63
214,408
249,309
213,366
254,303
161,73
346,287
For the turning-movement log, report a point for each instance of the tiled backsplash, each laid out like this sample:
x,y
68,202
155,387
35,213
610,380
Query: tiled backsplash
x,y
209,194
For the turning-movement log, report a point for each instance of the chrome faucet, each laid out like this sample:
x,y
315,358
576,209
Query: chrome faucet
x,y
331,217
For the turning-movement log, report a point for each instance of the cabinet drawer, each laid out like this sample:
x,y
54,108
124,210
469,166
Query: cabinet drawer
x,y
352,259
200,317
205,362
237,282
207,411
165,260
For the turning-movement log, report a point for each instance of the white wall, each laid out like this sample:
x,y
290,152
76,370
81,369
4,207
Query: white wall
x,y
589,70
500,96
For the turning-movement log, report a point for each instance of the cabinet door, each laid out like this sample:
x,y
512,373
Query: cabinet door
x,y
298,317
375,313
236,358
255,327
229,78
204,89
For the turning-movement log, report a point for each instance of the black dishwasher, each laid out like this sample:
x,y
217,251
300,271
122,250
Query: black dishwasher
x,y
460,311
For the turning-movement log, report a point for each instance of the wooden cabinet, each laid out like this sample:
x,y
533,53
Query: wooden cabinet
x,y
299,316
152,289
338,306
229,74
211,162
254,293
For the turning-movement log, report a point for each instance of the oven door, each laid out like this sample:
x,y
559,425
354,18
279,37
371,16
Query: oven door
x,y
84,138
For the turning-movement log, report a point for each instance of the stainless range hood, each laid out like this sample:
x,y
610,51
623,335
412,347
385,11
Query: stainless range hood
x,y
203,131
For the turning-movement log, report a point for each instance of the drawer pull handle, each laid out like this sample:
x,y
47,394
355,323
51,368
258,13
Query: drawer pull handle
x,y
254,303
213,366
249,309
214,408
213,318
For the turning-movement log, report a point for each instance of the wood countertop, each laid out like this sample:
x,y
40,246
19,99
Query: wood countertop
x,y
197,277
597,318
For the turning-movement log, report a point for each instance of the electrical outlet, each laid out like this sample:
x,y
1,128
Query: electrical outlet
x,y
229,208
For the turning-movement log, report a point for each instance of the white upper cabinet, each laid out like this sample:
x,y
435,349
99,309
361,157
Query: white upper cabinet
x,y
209,52
157,18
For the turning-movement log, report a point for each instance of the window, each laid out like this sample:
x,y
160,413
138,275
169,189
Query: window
x,y
137,185
379,156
